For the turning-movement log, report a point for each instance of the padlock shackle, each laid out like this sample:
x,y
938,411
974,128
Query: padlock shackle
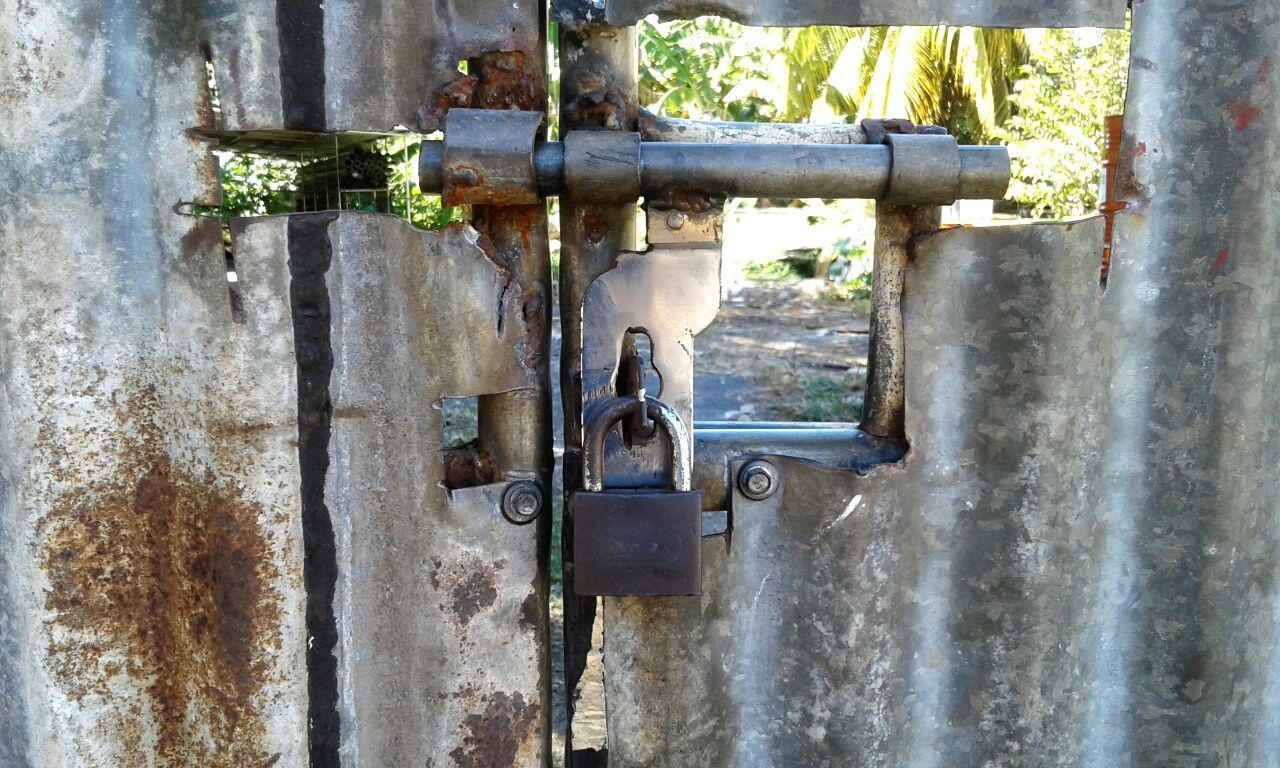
x,y
613,411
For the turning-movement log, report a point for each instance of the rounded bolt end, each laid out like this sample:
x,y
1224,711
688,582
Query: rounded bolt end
x,y
758,480
523,502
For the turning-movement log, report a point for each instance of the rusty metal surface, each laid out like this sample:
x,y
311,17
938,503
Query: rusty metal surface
x,y
797,13
438,610
488,157
151,607
597,89
357,65
897,228
818,609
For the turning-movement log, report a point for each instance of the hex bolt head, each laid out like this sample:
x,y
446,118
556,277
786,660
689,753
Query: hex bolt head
x,y
758,480
523,502
676,220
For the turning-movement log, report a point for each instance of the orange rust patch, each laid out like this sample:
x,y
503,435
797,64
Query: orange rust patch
x,y
499,80
508,80
469,583
494,736
164,577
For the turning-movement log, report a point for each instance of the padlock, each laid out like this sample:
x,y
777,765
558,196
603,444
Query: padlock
x,y
636,542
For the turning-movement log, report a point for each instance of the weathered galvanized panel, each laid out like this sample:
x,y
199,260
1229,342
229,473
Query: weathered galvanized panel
x,y
358,65
1075,563
151,609
823,621
869,13
438,602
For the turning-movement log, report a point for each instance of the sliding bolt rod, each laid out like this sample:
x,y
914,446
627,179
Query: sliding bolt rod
x,y
863,171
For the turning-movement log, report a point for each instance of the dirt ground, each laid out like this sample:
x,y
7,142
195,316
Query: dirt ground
x,y
776,352
780,353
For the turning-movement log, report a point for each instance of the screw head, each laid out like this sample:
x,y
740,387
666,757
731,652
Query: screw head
x,y
676,220
758,480
522,502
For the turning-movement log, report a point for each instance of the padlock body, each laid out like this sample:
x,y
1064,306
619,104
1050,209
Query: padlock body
x,y
637,543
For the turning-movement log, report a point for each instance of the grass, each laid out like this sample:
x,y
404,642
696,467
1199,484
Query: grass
x,y
820,398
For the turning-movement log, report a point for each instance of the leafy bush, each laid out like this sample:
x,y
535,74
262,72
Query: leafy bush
x,y
1056,134
256,185
777,271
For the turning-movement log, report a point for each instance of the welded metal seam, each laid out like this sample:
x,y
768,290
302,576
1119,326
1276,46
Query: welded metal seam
x,y
310,255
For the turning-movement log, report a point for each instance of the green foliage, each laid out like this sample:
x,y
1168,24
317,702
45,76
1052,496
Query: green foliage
x,y
957,77
711,69
407,200
777,271
1056,134
263,185
256,185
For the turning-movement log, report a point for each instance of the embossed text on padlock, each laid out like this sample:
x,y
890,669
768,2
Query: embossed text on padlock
x,y
636,542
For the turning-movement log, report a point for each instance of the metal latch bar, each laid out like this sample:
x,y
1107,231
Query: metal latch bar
x,y
600,166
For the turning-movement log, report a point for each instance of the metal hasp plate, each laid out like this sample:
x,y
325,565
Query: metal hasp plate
x,y
871,13
641,295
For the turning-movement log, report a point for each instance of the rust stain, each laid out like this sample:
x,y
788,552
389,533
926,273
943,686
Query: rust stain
x,y
600,105
685,201
163,576
594,226
508,80
495,735
506,237
531,612
468,466
204,238
1264,70
1127,187
1242,114
471,585
498,80
1220,260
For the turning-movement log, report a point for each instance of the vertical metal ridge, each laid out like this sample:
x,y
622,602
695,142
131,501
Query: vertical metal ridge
x,y
310,255
300,26
896,226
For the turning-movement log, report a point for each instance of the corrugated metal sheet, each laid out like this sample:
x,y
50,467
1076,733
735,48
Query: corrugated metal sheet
x,y
354,65
1076,562
868,13
189,493
151,601
438,602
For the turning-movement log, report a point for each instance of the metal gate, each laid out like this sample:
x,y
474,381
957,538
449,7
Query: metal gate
x,y
231,534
